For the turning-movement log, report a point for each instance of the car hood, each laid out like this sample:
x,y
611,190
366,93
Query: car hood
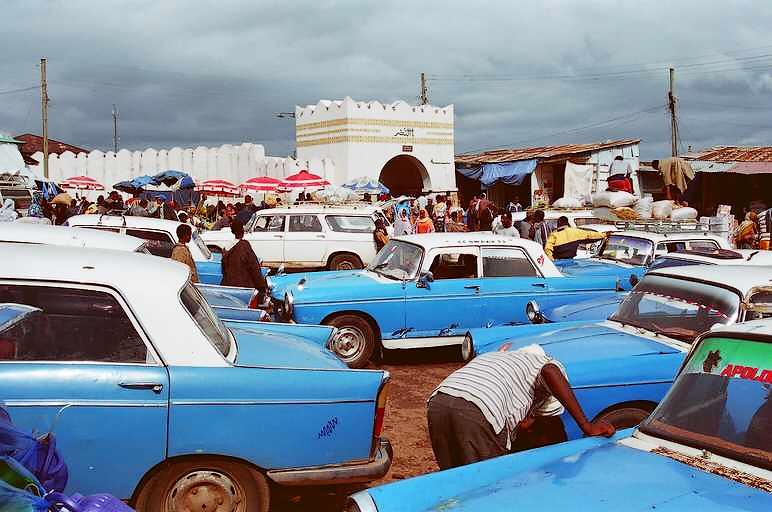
x,y
601,354
559,477
596,309
257,347
597,267
335,286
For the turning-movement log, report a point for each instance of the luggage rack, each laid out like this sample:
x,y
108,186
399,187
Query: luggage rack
x,y
664,226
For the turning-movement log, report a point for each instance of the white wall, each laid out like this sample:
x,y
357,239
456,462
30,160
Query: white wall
x,y
360,137
234,163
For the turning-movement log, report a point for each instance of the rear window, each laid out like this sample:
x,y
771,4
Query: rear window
x,y
351,223
158,243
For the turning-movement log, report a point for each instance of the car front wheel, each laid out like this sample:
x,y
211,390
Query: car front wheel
x,y
354,342
624,417
210,484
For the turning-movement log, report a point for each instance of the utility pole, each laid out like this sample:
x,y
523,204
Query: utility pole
x,y
115,129
424,90
671,105
44,110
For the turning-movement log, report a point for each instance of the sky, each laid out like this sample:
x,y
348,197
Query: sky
x,y
520,74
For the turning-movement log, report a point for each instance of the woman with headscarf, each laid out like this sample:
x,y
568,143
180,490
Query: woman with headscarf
x,y
747,231
402,225
36,206
424,223
380,235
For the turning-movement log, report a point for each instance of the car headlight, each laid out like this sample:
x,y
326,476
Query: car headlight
x,y
533,312
289,305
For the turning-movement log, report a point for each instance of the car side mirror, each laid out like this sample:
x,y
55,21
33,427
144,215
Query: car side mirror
x,y
280,270
424,279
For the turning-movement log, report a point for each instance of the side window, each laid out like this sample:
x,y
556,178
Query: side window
x,y
506,262
350,223
703,245
158,243
269,223
676,246
453,265
73,325
760,305
304,224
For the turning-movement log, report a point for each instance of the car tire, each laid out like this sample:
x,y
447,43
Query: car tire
x,y
345,261
466,350
354,343
208,483
624,417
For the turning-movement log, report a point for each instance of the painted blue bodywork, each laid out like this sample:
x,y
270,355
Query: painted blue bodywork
x,y
596,267
271,408
589,474
606,366
403,309
591,310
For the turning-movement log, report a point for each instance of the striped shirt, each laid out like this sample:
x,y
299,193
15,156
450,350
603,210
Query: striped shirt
x,y
506,386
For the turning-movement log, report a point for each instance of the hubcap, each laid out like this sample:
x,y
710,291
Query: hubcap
x,y
205,491
348,343
345,265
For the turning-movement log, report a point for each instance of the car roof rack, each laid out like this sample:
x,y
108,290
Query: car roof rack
x,y
664,227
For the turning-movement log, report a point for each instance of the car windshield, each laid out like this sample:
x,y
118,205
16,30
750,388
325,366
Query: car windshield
x,y
397,260
721,401
677,308
196,238
206,319
626,249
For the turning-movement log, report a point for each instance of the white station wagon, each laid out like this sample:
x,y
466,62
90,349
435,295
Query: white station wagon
x,y
308,236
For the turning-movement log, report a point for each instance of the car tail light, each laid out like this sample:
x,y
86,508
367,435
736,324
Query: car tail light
x,y
380,406
253,302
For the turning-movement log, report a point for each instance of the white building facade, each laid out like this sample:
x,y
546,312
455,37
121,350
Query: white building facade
x,y
408,148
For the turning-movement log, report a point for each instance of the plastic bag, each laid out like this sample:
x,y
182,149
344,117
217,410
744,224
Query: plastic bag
x,y
686,213
662,209
19,489
643,207
39,456
568,202
612,199
92,503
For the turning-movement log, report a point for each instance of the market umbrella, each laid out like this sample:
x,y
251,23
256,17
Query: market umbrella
x,y
63,198
217,186
302,180
366,185
260,184
174,179
134,185
82,183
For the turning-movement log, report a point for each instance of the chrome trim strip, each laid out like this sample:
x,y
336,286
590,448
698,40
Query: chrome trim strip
x,y
433,341
83,403
271,402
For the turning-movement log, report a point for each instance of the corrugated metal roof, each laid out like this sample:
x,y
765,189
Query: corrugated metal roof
x,y
733,154
752,168
542,152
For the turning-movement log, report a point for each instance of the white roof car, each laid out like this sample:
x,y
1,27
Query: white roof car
x,y
308,236
641,247
67,236
160,235
752,257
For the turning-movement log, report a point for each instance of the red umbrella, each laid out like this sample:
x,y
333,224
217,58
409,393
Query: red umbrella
x,y
217,186
260,184
82,183
301,180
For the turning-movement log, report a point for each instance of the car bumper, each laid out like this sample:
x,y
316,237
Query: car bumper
x,y
336,474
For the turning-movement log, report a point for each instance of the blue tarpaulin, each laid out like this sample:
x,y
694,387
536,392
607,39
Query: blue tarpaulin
x,y
473,173
511,173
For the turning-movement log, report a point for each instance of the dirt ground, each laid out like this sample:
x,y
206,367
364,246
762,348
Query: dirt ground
x,y
414,374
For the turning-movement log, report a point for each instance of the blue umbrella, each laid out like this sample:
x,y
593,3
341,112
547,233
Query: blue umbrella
x,y
135,185
174,179
364,184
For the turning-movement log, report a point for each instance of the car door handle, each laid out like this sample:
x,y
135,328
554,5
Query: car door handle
x,y
472,287
156,387
540,285
320,236
278,236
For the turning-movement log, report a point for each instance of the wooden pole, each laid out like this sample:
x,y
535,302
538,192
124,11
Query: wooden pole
x,y
424,90
671,102
44,111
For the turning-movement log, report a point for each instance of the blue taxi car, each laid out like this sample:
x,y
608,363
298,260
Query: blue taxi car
x,y
156,400
620,368
428,290
706,447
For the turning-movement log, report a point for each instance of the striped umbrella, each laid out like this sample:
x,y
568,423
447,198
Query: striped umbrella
x,y
82,183
260,184
217,186
303,180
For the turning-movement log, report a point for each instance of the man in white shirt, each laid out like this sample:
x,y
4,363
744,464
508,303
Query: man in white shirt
x,y
505,227
502,400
